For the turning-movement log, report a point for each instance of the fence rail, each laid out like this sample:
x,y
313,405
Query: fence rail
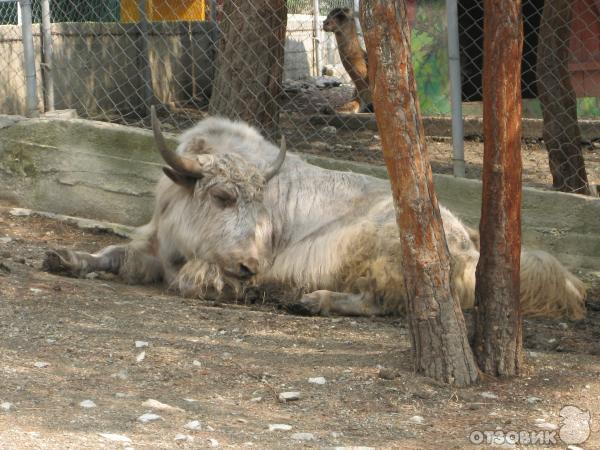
x,y
97,58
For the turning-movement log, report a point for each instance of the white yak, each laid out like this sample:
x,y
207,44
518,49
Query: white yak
x,y
232,211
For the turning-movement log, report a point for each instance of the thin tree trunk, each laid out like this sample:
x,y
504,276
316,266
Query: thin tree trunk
x,y
557,97
249,66
498,324
438,333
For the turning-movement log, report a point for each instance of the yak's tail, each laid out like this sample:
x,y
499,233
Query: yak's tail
x,y
548,289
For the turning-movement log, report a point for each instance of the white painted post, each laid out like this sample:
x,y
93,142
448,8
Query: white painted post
x,y
317,38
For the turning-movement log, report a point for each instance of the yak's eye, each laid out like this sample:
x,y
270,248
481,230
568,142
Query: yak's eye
x,y
224,197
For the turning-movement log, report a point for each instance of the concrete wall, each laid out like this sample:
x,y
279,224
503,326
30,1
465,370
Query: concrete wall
x,y
300,58
108,172
98,69
97,66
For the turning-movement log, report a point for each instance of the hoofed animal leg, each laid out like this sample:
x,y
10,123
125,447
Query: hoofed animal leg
x,y
80,264
134,262
341,303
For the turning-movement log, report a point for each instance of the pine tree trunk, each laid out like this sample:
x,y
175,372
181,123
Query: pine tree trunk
x,y
498,324
437,327
249,65
557,97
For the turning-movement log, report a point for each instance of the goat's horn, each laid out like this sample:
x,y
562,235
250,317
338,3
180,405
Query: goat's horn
x,y
273,169
182,165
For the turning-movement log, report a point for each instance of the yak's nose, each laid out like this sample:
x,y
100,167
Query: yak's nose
x,y
248,268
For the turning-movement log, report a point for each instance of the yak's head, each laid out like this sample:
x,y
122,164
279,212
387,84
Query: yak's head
x,y
337,19
222,222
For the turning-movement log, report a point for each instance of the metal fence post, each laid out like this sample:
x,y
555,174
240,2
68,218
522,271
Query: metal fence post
x,y
146,70
29,57
317,37
458,154
47,56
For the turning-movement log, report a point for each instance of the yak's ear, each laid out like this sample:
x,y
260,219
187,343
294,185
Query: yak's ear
x,y
180,179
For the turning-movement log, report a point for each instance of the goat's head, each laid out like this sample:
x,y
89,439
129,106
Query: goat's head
x,y
337,19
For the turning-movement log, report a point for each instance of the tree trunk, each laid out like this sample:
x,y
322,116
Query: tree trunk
x,y
249,65
498,324
437,327
557,97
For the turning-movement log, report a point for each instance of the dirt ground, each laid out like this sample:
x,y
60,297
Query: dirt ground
x,y
65,340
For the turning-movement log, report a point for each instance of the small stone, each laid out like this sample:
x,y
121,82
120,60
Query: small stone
x,y
532,399
6,406
541,423
329,130
563,326
87,404
41,364
587,386
289,396
155,404
148,417
213,442
303,436
115,437
193,425
36,290
489,395
183,438
20,212
196,363
573,447
317,380
140,344
279,427
140,357
91,275
416,419
120,395
256,399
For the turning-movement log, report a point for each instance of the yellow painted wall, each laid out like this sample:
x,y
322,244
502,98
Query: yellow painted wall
x,y
164,10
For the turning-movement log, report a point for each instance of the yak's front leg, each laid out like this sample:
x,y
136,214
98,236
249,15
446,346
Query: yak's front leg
x,y
134,262
341,303
109,259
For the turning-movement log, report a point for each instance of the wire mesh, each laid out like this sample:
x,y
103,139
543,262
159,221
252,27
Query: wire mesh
x,y
113,59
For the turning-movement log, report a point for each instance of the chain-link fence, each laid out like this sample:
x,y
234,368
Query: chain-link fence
x,y
111,60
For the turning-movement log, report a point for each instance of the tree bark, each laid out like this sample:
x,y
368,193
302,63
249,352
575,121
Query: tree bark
x,y
557,97
498,323
249,65
437,327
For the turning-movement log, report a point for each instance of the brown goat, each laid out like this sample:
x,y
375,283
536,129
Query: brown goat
x,y
341,22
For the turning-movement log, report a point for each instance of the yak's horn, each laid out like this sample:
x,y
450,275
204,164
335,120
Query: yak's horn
x,y
184,166
273,169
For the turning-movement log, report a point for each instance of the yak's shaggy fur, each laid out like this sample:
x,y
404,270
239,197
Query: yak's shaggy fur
x,y
332,234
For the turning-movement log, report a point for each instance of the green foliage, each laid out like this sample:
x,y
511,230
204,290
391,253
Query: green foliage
x,y
430,58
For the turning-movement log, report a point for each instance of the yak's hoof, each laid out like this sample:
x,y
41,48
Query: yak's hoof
x,y
306,306
60,262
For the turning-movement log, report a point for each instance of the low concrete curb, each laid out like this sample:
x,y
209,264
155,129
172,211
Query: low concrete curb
x,y
442,126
